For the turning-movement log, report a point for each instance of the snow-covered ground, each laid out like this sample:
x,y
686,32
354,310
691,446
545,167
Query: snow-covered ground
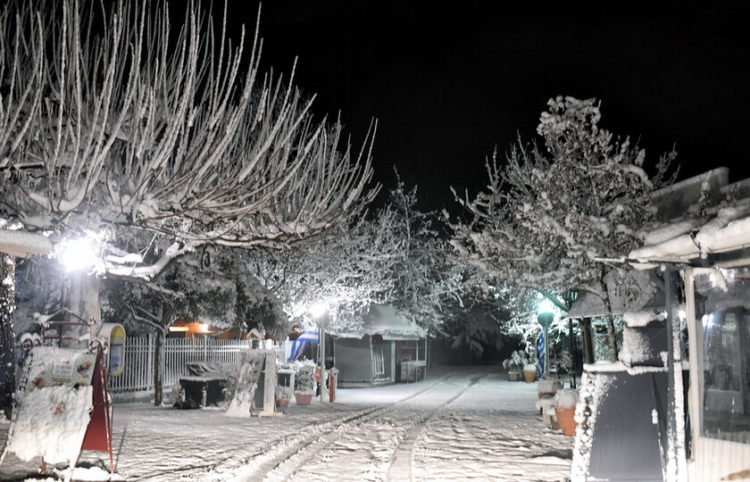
x,y
462,423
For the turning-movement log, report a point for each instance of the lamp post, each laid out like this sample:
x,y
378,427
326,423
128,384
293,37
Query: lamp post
x,y
320,313
545,319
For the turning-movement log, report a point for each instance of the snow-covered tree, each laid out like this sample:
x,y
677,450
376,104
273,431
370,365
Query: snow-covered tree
x,y
395,256
153,141
346,269
480,321
426,279
553,215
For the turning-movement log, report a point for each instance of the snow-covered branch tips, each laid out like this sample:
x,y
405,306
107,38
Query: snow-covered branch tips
x,y
113,119
552,212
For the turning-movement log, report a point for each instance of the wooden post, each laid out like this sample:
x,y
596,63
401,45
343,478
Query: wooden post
x,y
393,361
269,385
322,345
7,333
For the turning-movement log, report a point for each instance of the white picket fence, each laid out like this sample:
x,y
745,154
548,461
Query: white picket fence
x,y
138,374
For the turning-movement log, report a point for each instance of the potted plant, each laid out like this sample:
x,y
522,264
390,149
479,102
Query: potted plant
x,y
514,364
565,409
283,395
529,371
304,384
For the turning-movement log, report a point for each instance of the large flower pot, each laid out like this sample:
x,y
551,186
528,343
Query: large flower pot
x,y
566,420
303,398
565,410
529,376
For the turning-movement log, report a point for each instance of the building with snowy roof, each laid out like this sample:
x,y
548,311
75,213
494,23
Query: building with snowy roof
x,y
682,382
385,349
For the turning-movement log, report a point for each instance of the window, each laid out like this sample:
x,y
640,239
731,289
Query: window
x,y
723,311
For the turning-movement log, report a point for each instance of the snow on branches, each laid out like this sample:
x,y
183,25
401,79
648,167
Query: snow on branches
x,y
114,121
426,281
393,257
553,212
345,269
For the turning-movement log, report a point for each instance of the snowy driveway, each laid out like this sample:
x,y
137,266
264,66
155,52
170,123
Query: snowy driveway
x,y
462,423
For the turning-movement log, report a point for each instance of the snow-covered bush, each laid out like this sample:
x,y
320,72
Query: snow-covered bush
x,y
283,392
517,361
304,379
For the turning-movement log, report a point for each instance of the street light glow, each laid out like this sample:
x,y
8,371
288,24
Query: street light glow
x,y
317,310
78,254
546,306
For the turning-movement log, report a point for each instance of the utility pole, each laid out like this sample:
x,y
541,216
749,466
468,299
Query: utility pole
x,y
322,349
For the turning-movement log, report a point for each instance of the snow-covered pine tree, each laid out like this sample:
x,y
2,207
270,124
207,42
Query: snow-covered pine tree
x,y
552,215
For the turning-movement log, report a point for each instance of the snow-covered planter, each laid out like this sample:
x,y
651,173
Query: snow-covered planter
x,y
529,372
565,409
283,393
304,384
514,364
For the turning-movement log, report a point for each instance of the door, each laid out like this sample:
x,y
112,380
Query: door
x,y
718,315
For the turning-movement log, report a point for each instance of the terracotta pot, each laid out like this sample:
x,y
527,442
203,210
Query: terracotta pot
x,y
529,375
303,398
566,419
282,403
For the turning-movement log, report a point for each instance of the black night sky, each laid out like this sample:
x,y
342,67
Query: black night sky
x,y
449,81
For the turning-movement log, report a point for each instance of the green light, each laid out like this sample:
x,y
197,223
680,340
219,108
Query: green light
x,y
546,306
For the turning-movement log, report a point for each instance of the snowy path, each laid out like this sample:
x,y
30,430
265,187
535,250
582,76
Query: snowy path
x,y
467,423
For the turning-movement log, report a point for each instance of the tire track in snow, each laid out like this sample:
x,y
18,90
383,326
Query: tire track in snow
x,y
287,455
293,461
402,462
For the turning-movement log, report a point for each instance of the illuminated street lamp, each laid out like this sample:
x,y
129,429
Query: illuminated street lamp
x,y
318,310
78,254
80,257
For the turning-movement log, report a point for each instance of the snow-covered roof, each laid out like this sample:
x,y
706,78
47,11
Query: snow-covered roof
x,y
385,321
726,230
674,200
589,304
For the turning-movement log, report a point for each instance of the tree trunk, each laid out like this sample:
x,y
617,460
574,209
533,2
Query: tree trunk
x,y
158,375
83,302
610,318
7,332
